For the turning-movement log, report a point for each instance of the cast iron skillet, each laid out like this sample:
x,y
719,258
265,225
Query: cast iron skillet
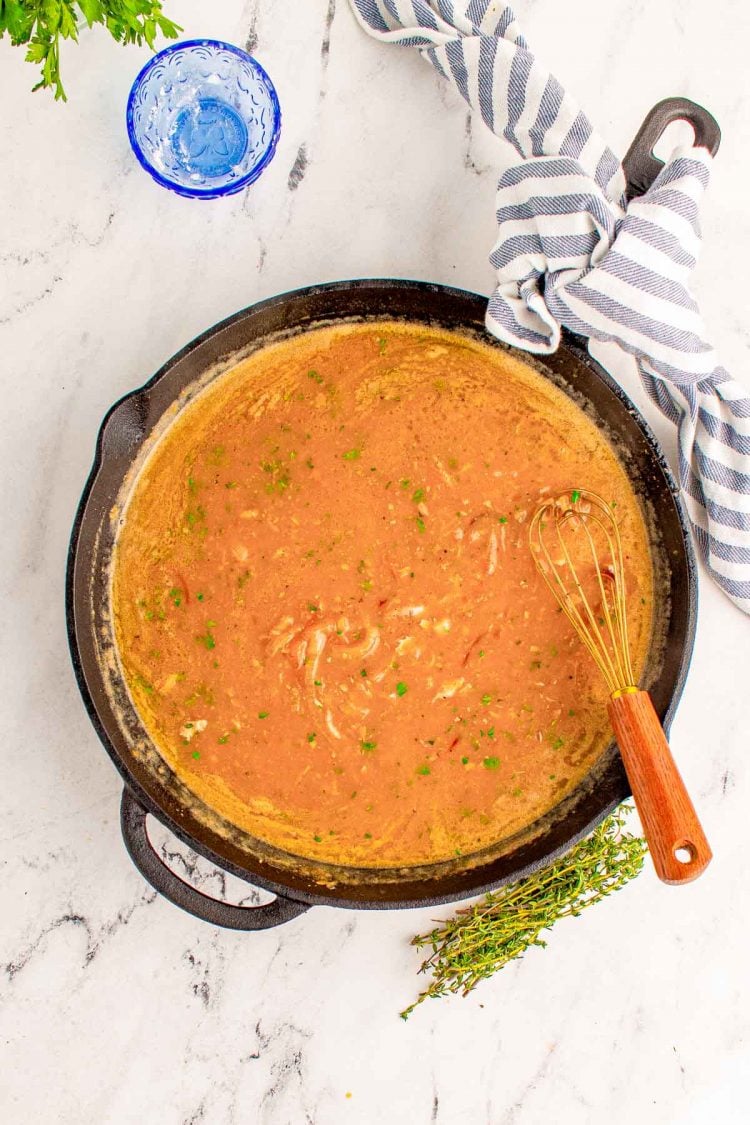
x,y
151,787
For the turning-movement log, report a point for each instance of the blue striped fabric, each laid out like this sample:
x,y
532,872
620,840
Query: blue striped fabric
x,y
571,251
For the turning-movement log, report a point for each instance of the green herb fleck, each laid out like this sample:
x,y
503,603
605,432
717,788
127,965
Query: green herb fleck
x,y
207,639
263,714
558,743
575,496
491,763
420,525
196,753
316,378
423,770
368,747
464,761
418,496
311,736
486,699
176,596
352,454
401,688
313,607
318,839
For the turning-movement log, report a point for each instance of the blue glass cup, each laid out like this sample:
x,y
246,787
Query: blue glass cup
x,y
203,118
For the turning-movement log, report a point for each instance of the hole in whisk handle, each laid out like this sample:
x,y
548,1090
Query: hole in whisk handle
x,y
685,852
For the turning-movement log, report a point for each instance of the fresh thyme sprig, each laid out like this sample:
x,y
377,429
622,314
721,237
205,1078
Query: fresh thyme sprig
x,y
482,939
42,24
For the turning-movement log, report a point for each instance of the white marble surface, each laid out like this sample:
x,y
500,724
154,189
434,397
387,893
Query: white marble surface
x,y
116,1007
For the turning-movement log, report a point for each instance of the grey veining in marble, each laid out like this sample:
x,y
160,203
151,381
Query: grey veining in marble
x,y
114,1006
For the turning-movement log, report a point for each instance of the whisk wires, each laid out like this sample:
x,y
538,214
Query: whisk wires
x,y
575,542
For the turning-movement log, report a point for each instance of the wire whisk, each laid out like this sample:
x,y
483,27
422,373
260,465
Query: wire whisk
x,y
576,544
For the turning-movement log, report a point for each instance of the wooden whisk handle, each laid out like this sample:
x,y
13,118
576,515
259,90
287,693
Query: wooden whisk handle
x,y
678,847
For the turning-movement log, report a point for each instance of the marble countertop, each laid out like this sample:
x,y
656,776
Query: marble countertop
x,y
117,1007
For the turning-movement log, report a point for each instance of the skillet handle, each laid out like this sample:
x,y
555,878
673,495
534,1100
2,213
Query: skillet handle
x,y
640,165
176,890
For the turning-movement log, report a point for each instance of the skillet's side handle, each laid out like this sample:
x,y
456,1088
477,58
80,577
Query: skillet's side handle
x,y
176,890
640,165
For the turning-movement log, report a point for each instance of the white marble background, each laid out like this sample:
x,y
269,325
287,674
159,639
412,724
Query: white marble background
x,y
116,1007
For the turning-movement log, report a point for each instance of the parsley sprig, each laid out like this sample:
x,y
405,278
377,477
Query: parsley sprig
x,y
42,24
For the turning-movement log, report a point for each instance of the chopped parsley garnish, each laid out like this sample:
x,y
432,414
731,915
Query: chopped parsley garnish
x,y
176,596
208,639
311,736
367,747
318,839
263,714
558,743
464,761
196,753
316,378
313,607
200,597
368,835
352,454
486,699
224,738
423,770
575,496
418,496
491,763
404,482
503,519
420,525
401,688
363,672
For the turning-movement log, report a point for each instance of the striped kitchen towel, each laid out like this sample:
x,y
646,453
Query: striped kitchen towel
x,y
572,251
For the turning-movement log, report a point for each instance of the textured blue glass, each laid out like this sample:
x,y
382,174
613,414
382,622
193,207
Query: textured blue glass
x,y
203,118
